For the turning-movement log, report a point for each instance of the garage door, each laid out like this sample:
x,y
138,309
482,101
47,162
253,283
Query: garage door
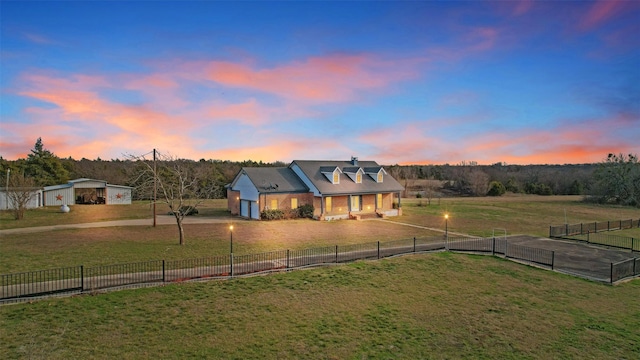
x,y
255,214
244,208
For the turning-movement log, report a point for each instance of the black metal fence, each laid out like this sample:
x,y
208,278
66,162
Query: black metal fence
x,y
625,269
15,287
593,227
593,233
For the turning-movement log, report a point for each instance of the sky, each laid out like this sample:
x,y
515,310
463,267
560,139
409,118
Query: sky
x,y
397,82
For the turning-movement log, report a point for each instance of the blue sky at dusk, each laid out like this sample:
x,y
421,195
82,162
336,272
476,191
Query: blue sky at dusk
x,y
396,82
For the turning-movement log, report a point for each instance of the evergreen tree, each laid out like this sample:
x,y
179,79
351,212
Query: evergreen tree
x,y
44,167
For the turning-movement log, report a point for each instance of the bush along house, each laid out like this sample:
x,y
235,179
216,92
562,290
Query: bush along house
x,y
336,190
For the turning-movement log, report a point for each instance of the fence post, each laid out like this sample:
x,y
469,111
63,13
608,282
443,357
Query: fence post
x,y
611,273
378,249
414,244
287,258
581,231
550,235
608,225
163,278
553,258
336,254
493,246
231,264
595,226
566,229
81,278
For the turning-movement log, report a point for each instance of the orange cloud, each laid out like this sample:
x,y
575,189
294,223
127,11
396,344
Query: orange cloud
x,y
282,149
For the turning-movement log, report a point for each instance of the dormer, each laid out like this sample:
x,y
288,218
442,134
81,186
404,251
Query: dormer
x,y
377,173
354,173
332,173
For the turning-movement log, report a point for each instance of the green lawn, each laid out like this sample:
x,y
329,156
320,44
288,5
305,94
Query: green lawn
x,y
518,214
79,214
113,245
422,306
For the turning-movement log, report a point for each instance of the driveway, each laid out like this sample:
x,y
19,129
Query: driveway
x,y
160,220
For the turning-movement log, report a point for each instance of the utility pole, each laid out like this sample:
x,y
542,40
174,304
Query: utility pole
x,y
6,190
155,193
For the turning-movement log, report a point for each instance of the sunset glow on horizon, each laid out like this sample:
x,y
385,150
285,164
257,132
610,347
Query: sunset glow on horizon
x,y
395,82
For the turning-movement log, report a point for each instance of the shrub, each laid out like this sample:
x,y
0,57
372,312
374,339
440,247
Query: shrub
x,y
306,211
496,189
186,210
272,214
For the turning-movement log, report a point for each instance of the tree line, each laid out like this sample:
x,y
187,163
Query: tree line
x,y
614,180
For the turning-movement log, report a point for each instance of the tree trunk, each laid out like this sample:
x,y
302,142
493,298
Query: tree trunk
x,y
181,230
179,219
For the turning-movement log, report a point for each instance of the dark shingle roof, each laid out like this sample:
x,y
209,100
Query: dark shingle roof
x,y
312,169
270,179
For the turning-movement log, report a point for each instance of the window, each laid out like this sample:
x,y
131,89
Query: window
x,y
294,203
327,204
274,204
379,200
355,203
379,176
358,178
336,177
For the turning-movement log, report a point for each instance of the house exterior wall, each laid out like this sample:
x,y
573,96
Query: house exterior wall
x,y
339,208
246,188
387,201
233,201
284,200
369,203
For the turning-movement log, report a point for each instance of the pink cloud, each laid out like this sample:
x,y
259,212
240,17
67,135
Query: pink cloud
x,y
320,79
93,123
601,12
417,143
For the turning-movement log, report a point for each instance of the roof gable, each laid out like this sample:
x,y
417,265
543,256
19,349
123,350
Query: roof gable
x,y
311,169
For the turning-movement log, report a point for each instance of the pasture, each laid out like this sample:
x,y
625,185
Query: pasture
x,y
104,246
425,306
439,305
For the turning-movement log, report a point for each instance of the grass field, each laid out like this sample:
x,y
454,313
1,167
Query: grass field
x,y
113,245
439,305
51,215
518,214
422,306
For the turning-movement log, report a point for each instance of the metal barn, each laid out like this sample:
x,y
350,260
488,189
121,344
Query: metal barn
x,y
87,191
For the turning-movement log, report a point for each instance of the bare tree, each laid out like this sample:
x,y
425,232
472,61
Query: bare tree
x,y
431,189
180,185
21,191
478,181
